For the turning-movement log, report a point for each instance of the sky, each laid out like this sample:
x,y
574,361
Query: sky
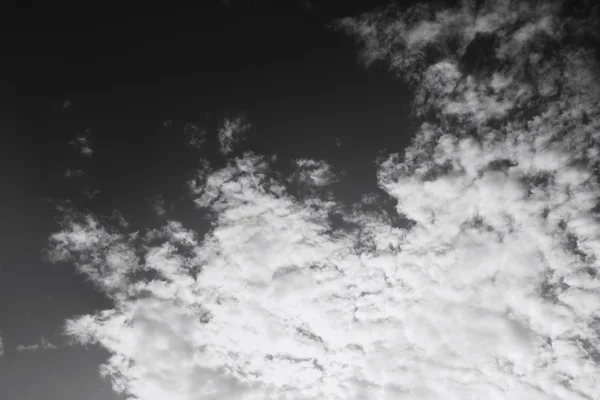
x,y
308,200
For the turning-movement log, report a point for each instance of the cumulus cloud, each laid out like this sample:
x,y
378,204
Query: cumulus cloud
x,y
232,130
500,180
491,291
44,344
82,144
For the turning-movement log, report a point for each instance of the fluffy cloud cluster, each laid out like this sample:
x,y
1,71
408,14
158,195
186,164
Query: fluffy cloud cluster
x,y
491,292
501,182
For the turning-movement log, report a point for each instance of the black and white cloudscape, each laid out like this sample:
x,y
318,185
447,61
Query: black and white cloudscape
x,y
489,289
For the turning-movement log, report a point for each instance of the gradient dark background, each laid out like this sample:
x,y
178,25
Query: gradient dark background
x,y
126,70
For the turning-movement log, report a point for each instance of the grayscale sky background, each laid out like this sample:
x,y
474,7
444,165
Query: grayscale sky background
x,y
332,199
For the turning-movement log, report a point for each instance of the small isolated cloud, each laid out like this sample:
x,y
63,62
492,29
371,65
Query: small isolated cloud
x,y
44,344
1,345
90,193
306,4
83,144
194,135
158,204
67,103
233,130
73,173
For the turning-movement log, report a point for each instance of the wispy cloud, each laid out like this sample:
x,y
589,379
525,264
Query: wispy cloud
x,y
492,291
83,144
232,130
194,135
44,344
119,220
158,204
73,173
90,193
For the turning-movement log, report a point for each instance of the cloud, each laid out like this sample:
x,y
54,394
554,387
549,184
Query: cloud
x,y
194,135
232,130
86,242
83,144
500,180
158,204
490,291
118,219
70,173
306,4
313,177
90,193
43,345
1,346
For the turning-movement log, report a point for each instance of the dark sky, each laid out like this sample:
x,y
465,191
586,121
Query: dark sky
x,y
126,70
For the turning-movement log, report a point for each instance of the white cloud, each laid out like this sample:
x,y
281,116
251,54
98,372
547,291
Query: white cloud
x,y
491,292
71,173
1,346
313,178
312,172
82,144
496,197
158,204
271,303
232,130
44,344
101,253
